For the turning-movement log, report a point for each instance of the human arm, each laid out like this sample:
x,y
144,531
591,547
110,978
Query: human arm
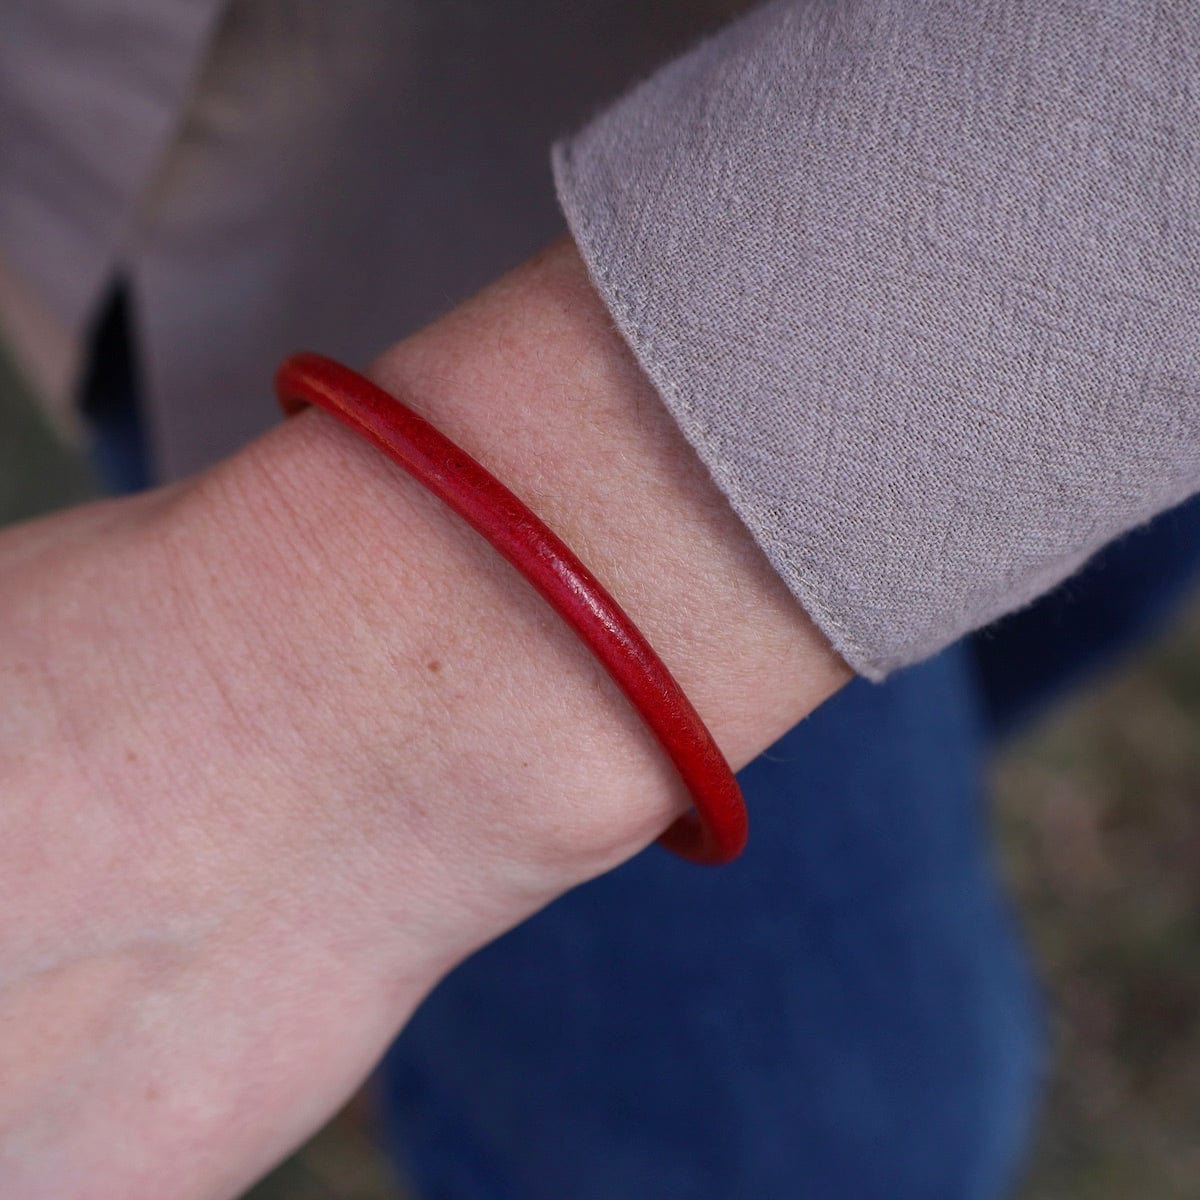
x,y
312,768
285,742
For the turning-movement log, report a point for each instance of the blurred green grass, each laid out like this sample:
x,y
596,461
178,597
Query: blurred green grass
x,y
37,472
1098,820
1098,816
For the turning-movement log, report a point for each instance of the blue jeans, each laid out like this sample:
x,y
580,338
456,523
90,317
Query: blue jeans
x,y
846,1012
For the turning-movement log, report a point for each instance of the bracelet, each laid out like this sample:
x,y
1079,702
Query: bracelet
x,y
715,830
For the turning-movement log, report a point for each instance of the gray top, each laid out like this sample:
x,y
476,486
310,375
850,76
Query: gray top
x,y
920,281
917,278
91,94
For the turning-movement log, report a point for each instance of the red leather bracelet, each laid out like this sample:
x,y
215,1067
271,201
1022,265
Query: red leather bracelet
x,y
715,831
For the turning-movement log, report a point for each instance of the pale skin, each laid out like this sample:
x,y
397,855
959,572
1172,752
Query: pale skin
x,y
282,744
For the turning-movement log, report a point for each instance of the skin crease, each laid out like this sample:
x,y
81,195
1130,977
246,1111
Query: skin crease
x,y
283,743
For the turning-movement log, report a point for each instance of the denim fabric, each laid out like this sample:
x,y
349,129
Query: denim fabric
x,y
110,398
1035,656
845,1012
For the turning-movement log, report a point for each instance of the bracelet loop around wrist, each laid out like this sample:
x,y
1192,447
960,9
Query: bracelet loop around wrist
x,y
715,830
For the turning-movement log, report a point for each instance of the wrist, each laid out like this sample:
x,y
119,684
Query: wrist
x,y
325,741
532,379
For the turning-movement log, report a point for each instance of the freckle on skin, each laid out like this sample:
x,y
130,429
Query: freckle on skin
x,y
434,665
130,756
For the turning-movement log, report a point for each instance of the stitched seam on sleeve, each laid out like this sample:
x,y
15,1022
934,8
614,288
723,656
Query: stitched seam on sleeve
x,y
594,249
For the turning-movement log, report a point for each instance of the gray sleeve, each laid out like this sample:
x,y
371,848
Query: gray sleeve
x,y
920,282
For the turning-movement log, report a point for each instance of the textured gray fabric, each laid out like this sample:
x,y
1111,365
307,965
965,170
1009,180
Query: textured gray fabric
x,y
325,173
920,281
348,169
90,94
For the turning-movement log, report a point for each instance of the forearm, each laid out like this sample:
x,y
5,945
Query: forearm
x,y
300,741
